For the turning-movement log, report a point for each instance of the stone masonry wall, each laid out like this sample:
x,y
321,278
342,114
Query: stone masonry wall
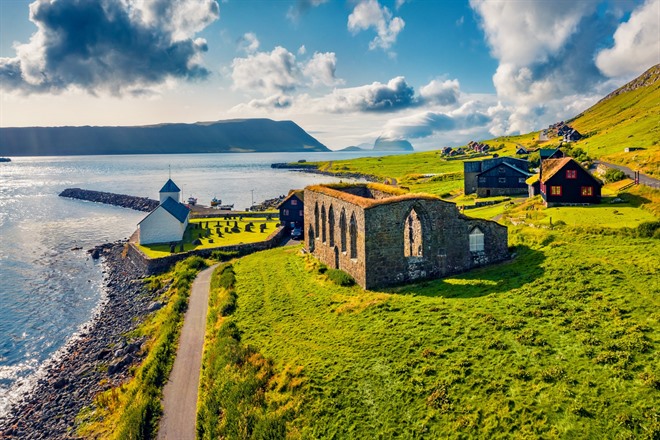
x,y
381,260
328,254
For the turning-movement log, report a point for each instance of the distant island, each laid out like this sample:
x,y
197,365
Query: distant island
x,y
230,136
382,144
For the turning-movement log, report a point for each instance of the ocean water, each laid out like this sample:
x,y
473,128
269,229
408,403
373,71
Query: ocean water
x,y
49,287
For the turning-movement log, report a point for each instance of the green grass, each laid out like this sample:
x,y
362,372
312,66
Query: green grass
x,y
562,342
206,231
132,410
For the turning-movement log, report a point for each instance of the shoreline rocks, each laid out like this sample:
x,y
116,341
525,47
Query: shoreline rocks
x,y
96,359
132,202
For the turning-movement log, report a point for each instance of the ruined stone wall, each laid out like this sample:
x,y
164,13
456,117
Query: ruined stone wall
x,y
332,254
441,245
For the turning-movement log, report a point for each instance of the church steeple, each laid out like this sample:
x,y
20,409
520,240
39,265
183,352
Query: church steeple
x,y
170,190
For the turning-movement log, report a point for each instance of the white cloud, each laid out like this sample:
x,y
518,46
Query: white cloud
x,y
249,43
125,47
527,32
440,92
636,43
370,14
374,97
266,72
425,124
279,72
302,50
399,3
546,54
320,70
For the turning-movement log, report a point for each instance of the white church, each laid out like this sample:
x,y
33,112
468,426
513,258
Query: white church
x,y
167,223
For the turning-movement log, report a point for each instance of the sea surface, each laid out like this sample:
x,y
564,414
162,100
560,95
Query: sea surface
x,y
49,286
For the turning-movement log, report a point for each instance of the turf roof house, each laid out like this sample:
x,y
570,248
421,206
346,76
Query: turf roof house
x,y
499,176
292,209
167,223
565,182
382,236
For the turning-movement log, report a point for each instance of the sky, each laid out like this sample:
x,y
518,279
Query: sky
x,y
436,73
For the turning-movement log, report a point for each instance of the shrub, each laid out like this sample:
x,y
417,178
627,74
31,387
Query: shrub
x,y
648,229
614,175
340,277
224,255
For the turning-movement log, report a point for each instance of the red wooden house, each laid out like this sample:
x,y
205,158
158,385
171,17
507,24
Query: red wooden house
x,y
565,182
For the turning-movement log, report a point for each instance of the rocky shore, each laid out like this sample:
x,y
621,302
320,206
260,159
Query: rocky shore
x,y
138,203
72,378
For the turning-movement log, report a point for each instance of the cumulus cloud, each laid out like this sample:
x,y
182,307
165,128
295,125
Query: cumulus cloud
x,y
427,123
320,70
301,7
106,45
546,56
374,97
440,92
248,43
271,102
636,43
279,72
370,14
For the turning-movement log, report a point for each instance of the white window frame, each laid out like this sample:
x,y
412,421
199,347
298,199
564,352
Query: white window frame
x,y
476,240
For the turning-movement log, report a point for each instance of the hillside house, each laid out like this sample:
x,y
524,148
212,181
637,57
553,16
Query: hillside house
x,y
292,209
550,153
382,236
565,182
522,150
167,223
501,180
490,183
572,135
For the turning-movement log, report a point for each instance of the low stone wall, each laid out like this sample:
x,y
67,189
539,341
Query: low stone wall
x,y
154,266
138,203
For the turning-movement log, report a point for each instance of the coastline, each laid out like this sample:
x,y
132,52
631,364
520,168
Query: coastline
x,y
71,379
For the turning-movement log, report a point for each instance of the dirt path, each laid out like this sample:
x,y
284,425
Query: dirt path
x,y
180,393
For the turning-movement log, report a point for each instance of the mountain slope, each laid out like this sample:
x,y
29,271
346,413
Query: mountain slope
x,y
238,135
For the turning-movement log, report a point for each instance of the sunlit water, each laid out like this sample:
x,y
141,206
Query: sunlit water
x,y
48,287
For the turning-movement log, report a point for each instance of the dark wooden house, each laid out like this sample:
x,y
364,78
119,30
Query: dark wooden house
x,y
292,209
502,180
565,182
550,153
486,178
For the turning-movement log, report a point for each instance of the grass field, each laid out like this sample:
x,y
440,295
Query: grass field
x,y
216,232
561,342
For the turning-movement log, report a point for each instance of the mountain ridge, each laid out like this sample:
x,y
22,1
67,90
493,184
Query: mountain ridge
x,y
224,136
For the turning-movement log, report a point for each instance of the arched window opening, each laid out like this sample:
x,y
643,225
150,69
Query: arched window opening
x,y
316,220
342,230
476,240
310,238
352,230
323,224
331,226
412,235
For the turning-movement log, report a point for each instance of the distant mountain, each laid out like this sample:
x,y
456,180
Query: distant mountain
x,y
230,136
353,148
385,144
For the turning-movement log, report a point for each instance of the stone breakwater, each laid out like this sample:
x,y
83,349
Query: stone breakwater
x,y
125,201
72,378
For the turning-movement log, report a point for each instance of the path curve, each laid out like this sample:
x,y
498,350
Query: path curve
x,y
180,393
643,178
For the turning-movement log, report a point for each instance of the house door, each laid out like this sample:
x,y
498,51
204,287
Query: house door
x,y
487,193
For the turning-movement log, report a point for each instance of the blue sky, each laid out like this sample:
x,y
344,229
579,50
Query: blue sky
x,y
433,72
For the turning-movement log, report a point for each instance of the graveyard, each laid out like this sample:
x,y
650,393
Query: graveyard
x,y
208,233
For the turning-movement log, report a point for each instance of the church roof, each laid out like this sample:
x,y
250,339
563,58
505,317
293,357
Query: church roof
x,y
178,210
170,187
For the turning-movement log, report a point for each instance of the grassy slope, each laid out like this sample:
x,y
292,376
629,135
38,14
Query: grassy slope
x,y
561,342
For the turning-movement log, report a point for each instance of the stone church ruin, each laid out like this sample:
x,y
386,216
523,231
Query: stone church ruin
x,y
382,236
